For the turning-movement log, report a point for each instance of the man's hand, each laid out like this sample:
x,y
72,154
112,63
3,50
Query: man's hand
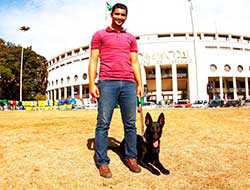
x,y
139,91
94,92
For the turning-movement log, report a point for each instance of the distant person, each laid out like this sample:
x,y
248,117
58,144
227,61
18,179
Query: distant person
x,y
20,106
119,83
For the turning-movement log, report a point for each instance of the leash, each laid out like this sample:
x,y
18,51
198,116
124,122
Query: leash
x,y
140,111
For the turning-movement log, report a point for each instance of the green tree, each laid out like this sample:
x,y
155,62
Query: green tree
x,y
34,72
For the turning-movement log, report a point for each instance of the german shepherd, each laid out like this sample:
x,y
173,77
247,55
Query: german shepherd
x,y
148,146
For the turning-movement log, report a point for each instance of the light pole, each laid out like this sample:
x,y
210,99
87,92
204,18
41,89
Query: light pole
x,y
194,46
23,29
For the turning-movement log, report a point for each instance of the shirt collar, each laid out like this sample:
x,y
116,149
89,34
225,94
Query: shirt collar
x,y
110,29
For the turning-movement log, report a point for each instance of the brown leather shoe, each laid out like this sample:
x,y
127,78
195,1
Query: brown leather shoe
x,y
105,171
133,166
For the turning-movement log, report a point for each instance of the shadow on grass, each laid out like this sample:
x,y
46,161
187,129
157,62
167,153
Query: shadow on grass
x,y
113,145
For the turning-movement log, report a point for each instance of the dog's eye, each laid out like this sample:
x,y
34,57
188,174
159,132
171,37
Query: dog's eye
x,y
155,129
152,129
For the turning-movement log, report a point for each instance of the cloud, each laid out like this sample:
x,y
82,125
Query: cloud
x,y
60,25
227,16
56,26
160,16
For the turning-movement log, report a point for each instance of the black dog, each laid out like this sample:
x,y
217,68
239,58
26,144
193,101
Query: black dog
x,y
148,146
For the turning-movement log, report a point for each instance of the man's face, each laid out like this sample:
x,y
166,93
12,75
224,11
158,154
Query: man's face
x,y
119,16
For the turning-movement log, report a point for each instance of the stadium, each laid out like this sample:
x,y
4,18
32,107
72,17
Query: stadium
x,y
174,66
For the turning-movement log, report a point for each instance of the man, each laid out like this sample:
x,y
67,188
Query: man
x,y
119,83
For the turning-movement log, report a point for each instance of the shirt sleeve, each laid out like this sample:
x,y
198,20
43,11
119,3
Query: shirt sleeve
x,y
133,45
96,41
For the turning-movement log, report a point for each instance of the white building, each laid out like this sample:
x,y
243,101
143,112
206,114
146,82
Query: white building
x,y
174,66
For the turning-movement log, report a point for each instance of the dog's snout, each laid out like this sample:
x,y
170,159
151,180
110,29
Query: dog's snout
x,y
155,136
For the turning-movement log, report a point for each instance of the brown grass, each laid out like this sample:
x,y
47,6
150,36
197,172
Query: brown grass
x,y
203,149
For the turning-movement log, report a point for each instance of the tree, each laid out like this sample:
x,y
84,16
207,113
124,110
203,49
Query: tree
x,y
34,72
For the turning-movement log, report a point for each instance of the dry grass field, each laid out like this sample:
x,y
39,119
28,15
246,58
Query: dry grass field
x,y
203,149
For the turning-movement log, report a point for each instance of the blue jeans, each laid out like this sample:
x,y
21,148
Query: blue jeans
x,y
113,92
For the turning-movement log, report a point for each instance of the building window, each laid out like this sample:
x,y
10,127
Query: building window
x,y
240,68
217,84
225,36
76,60
76,50
84,76
56,82
75,77
227,68
213,67
85,58
68,79
61,80
52,83
151,72
230,84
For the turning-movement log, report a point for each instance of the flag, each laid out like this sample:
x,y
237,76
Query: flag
x,y
108,6
108,11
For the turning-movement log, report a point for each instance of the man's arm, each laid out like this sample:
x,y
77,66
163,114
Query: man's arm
x,y
137,73
93,89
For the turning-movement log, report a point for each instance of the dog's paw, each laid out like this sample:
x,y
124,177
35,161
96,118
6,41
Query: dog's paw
x,y
165,171
156,172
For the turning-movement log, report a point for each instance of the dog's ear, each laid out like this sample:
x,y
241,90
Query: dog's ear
x,y
161,120
148,119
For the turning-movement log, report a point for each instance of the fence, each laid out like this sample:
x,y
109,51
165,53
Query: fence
x,y
39,105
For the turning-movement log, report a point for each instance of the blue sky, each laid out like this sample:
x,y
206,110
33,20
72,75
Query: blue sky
x,y
60,25
10,3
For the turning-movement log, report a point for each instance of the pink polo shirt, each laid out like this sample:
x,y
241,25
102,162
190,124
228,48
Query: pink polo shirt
x,y
115,48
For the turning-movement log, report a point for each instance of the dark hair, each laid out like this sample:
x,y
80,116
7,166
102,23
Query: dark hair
x,y
119,6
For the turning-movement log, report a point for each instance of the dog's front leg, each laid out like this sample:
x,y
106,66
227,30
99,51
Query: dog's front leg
x,y
148,166
159,165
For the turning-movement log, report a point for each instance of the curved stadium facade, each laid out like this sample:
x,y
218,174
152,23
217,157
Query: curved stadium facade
x,y
173,66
